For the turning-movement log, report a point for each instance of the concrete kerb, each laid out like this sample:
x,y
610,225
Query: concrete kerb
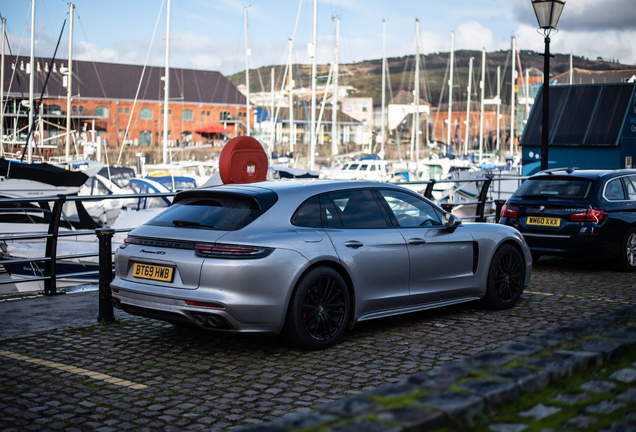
x,y
466,388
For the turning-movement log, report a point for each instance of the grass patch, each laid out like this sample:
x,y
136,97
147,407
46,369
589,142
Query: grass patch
x,y
509,412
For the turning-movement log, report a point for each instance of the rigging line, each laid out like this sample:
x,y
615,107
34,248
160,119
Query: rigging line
x,y
143,71
90,53
260,78
441,94
300,4
37,109
406,62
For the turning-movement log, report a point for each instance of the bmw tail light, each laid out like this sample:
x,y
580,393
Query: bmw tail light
x,y
507,212
203,304
591,215
231,251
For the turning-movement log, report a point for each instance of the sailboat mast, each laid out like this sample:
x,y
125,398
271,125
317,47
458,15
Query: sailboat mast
x,y
417,90
290,77
334,98
4,22
166,93
383,117
482,85
469,92
31,71
449,141
247,75
314,51
512,95
498,108
69,85
273,90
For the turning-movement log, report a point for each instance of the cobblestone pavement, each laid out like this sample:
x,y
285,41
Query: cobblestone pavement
x,y
145,374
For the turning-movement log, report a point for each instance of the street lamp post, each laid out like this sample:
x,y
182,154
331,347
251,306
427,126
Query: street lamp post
x,y
548,13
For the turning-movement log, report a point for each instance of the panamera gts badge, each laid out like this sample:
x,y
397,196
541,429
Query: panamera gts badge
x,y
541,208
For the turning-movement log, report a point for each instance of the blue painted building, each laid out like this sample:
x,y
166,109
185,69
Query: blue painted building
x,y
591,126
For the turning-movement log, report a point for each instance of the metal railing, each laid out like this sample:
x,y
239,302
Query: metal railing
x,y
51,258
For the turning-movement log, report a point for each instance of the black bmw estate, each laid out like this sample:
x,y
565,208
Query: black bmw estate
x,y
578,213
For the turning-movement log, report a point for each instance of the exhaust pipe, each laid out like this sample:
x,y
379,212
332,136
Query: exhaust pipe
x,y
116,304
199,319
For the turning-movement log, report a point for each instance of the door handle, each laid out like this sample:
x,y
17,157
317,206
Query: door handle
x,y
417,241
353,244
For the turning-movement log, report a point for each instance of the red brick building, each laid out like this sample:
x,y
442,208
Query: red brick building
x,y
104,93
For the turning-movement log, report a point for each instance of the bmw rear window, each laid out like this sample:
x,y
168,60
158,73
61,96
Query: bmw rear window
x,y
218,213
557,188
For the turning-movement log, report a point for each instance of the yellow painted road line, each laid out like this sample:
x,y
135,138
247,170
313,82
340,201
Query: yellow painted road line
x,y
74,370
577,297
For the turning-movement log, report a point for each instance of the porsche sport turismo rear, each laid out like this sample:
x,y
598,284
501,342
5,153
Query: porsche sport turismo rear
x,y
308,257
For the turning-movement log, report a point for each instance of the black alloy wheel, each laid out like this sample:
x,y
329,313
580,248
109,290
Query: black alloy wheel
x,y
505,278
318,310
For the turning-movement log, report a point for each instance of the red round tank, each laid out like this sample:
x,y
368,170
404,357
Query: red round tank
x,y
243,160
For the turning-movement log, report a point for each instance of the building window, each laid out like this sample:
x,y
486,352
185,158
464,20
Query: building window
x,y
225,115
364,109
169,112
54,109
121,110
74,110
208,113
145,138
101,111
81,110
145,114
169,134
186,115
120,133
126,111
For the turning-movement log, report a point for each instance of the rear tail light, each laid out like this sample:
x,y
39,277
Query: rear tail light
x,y
231,251
507,212
591,215
126,242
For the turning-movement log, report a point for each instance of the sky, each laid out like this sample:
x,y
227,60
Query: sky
x,y
210,35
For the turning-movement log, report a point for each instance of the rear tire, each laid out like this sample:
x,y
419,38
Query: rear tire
x,y
506,277
318,310
627,256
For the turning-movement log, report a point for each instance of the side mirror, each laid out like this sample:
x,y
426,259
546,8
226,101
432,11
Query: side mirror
x,y
451,222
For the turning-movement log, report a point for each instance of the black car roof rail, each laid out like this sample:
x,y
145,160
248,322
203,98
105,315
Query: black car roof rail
x,y
568,170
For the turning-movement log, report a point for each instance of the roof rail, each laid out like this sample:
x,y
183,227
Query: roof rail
x,y
568,170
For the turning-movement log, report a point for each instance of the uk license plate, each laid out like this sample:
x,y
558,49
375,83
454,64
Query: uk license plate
x,y
543,221
153,272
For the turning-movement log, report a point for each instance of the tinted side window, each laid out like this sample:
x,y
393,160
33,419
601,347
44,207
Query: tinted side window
x,y
630,183
359,209
614,190
308,214
411,211
330,215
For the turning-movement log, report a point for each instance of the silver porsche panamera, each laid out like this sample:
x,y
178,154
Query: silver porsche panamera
x,y
307,258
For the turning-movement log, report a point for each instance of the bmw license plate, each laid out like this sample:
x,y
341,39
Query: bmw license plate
x,y
543,221
153,272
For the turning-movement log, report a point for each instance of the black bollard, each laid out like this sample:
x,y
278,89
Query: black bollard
x,y
106,312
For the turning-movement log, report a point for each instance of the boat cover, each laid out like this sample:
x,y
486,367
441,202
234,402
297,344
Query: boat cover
x,y
41,172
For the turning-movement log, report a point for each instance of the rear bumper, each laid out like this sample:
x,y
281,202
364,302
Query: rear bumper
x,y
577,246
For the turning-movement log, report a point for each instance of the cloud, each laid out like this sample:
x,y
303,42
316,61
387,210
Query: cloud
x,y
588,15
615,44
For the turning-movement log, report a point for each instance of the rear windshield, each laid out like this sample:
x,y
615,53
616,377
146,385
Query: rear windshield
x,y
556,188
220,214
